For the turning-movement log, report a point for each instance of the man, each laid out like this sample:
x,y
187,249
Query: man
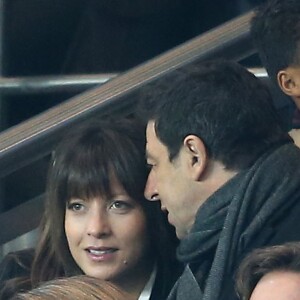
x,y
225,172
276,33
270,273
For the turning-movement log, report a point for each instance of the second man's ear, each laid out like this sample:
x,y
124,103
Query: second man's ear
x,y
289,81
197,155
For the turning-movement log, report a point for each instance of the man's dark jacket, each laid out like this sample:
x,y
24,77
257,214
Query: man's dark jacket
x,y
257,207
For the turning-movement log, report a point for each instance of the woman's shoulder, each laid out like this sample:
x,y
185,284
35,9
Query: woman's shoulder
x,y
16,264
166,277
15,272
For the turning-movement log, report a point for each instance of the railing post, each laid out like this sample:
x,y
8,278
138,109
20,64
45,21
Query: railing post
x,y
3,111
2,105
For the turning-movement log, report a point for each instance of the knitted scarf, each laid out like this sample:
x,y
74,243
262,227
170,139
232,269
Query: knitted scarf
x,y
231,222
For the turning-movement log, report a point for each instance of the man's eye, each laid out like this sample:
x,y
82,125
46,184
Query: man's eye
x,y
150,166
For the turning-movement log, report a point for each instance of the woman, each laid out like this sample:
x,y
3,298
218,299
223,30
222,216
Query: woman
x,y
97,221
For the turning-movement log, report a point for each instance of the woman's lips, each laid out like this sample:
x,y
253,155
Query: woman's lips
x,y
101,254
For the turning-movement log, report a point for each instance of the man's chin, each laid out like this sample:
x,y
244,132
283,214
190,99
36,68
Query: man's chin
x,y
180,235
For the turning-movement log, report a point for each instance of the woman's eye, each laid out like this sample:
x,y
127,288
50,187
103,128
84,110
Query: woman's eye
x,y
120,205
76,206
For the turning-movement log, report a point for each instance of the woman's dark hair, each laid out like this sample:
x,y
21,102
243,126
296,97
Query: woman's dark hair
x,y
82,166
21,263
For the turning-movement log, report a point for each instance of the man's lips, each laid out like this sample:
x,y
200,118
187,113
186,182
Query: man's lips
x,y
163,208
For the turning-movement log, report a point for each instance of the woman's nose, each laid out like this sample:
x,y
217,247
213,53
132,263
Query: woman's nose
x,y
98,224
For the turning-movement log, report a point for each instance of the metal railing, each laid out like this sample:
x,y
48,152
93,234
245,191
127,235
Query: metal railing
x,y
71,83
36,137
51,84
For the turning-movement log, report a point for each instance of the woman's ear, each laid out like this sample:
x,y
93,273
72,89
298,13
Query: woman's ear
x,y
196,156
289,81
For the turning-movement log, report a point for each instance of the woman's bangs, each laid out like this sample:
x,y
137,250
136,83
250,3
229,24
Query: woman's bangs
x,y
88,179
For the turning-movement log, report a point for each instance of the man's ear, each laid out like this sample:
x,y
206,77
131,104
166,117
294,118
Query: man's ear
x,y
197,155
289,82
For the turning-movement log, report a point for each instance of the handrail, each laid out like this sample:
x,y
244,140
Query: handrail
x,y
66,83
36,137
51,84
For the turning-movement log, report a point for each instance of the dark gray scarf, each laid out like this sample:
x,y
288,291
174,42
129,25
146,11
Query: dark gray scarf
x,y
231,222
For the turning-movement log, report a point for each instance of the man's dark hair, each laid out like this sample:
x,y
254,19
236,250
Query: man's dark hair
x,y
264,261
220,102
276,32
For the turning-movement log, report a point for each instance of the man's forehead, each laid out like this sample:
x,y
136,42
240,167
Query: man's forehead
x,y
150,127
150,134
149,151
153,144
148,154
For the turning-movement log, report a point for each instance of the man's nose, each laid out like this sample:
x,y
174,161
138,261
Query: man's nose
x,y
151,192
98,225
